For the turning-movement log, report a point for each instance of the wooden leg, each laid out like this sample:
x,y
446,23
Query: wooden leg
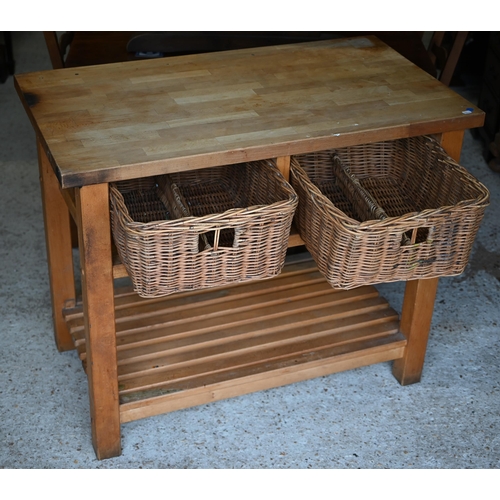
x,y
283,164
416,320
418,305
452,143
59,249
92,206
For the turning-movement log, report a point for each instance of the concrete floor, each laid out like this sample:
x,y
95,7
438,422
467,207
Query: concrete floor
x,y
357,419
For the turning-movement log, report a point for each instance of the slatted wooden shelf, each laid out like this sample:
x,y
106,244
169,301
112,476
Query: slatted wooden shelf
x,y
192,348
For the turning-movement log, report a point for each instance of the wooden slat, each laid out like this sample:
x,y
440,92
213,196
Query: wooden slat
x,y
242,328
128,304
236,316
187,376
295,240
235,338
202,310
258,350
260,381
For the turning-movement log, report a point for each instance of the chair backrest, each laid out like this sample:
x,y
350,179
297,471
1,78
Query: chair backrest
x,y
444,50
58,47
84,48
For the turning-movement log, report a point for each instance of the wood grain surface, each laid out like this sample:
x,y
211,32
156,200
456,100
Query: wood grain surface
x,y
125,120
197,347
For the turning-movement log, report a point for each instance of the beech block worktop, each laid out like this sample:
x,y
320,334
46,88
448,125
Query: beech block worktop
x,y
110,122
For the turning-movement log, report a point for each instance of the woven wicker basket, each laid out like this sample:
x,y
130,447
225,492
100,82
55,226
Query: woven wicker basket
x,y
202,228
388,211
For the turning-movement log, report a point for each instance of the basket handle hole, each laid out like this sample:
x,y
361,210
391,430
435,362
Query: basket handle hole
x,y
416,236
216,239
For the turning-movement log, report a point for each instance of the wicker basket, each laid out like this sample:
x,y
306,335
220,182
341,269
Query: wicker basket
x,y
388,211
202,228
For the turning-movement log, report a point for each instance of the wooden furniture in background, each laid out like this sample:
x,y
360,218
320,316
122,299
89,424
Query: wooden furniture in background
x,y
489,100
85,48
100,124
444,50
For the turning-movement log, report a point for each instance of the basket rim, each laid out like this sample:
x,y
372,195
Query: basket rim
x,y
322,202
216,218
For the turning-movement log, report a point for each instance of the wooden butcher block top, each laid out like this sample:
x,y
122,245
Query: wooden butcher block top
x,y
133,119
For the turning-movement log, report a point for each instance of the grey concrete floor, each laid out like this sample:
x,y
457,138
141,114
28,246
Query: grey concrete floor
x,y
357,419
